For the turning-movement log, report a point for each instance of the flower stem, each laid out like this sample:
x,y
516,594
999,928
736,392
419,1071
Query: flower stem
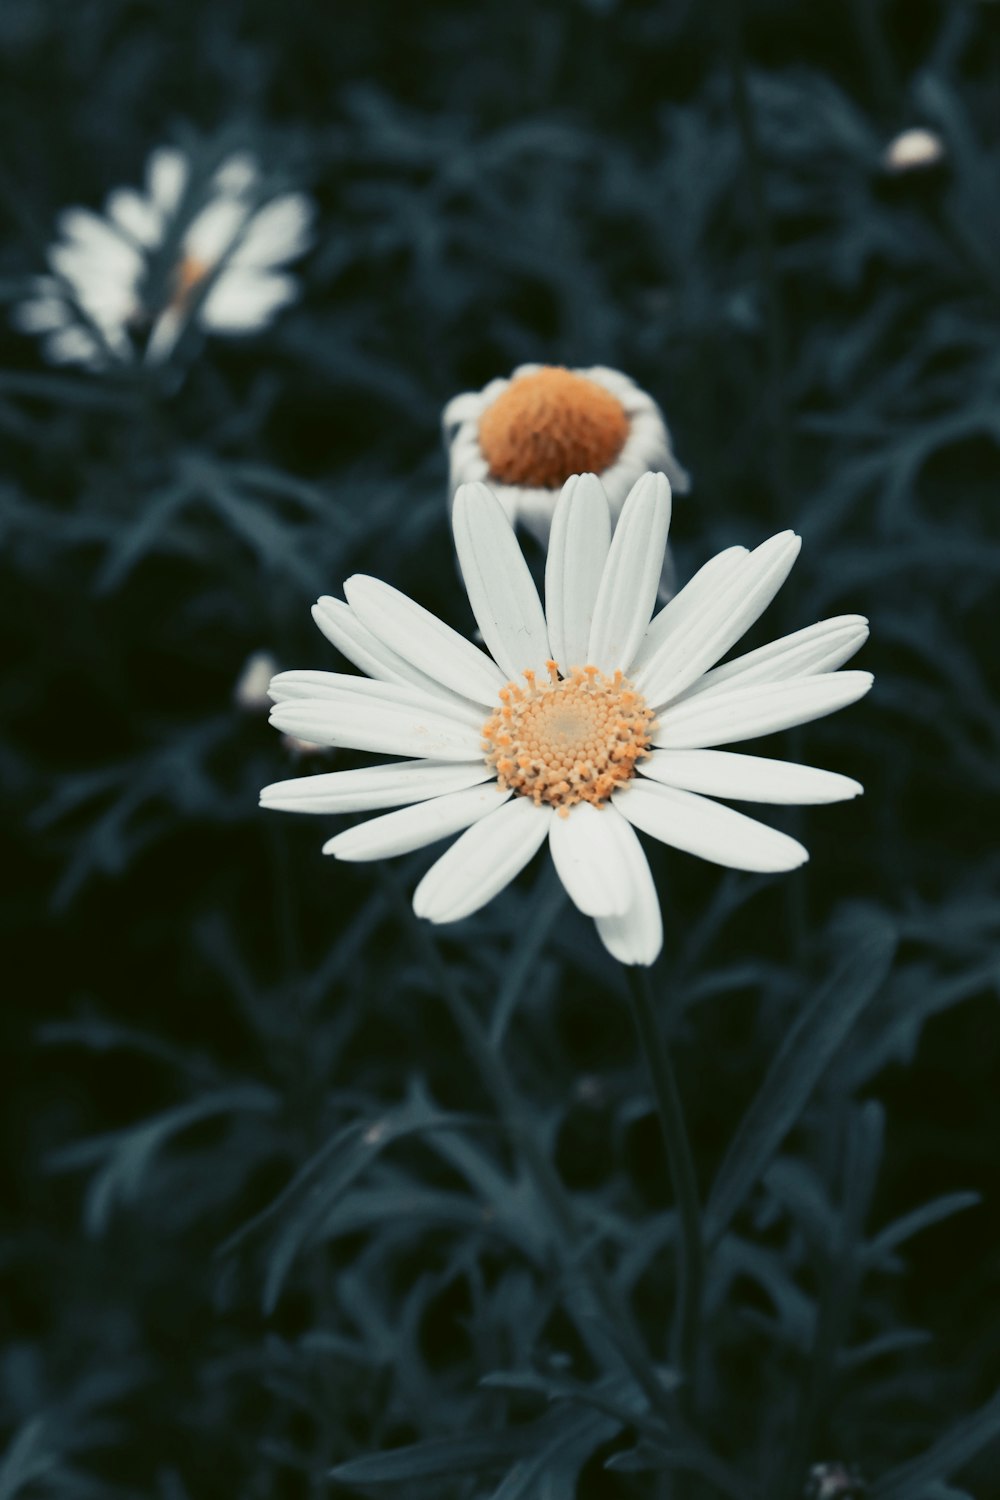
x,y
690,1242
575,1241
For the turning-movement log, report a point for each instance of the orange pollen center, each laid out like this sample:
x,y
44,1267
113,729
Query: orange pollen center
x,y
572,739
187,277
547,426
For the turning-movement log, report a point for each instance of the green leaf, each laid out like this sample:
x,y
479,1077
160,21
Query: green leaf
x,y
904,1228
467,1453
307,1202
549,1452
910,1481
553,1468
900,1341
680,1457
27,1459
811,1044
125,1157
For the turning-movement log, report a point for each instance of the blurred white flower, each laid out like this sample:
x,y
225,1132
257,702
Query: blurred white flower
x,y
912,150
543,738
180,252
251,690
526,436
302,748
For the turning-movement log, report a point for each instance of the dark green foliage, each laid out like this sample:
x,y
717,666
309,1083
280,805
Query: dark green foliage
x,y
269,1229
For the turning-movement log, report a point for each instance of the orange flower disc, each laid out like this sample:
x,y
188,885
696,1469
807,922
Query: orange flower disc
x,y
547,426
570,740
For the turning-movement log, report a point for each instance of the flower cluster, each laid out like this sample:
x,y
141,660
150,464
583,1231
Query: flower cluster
x,y
585,719
189,250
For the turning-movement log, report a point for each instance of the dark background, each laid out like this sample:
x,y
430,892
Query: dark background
x,y
196,1001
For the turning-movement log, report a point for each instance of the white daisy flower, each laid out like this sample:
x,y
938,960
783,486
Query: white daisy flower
x,y
587,720
180,252
527,435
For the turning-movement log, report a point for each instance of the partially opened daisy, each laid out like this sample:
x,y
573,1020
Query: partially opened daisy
x,y
587,720
527,435
190,249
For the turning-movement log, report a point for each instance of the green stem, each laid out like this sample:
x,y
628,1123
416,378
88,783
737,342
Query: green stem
x,y
619,1324
690,1242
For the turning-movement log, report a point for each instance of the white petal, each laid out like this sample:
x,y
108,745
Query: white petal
x,y
389,785
87,231
578,550
421,638
708,829
675,616
743,713
343,629
466,465
241,300
101,273
341,686
135,214
631,575
482,862
636,936
747,778
166,177
464,408
165,333
277,233
631,396
531,508
41,315
413,827
236,176
586,851
726,615
822,647
499,583
214,230
372,724
72,346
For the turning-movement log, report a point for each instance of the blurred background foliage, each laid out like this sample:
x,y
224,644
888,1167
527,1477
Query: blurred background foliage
x,y
259,1220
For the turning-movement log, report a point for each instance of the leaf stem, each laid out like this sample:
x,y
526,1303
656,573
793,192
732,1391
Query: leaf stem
x,y
576,1243
690,1242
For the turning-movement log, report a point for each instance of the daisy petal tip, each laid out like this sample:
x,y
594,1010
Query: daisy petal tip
x,y
422,907
473,492
788,543
338,847
653,489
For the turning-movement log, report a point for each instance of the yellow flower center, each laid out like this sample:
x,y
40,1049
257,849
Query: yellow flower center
x,y
547,426
572,739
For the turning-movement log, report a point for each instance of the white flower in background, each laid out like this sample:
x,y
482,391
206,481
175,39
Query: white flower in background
x,y
527,435
913,150
251,691
587,720
182,251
